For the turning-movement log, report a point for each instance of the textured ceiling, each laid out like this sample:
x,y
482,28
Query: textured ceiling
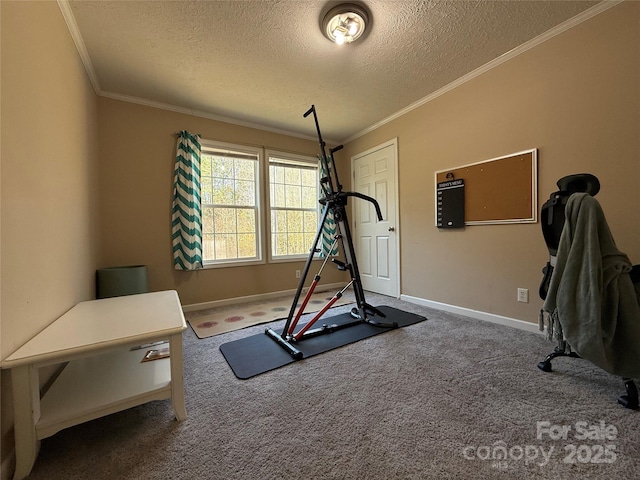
x,y
264,62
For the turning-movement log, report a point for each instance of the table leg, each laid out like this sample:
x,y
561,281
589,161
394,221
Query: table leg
x,y
177,376
26,413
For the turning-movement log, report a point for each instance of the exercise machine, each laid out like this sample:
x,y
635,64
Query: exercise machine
x,y
334,201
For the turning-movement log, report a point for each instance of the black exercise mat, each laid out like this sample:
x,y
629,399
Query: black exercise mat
x,y
260,353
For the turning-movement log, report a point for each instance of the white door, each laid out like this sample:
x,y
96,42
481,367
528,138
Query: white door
x,y
376,242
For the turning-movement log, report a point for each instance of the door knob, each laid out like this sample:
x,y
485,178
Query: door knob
x,y
392,229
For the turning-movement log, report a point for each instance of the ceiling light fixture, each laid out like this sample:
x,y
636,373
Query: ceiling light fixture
x,y
345,23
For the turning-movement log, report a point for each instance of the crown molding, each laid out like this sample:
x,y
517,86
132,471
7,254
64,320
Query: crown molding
x,y
70,20
534,42
203,114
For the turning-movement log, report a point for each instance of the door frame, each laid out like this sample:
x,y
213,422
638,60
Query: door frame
x,y
394,143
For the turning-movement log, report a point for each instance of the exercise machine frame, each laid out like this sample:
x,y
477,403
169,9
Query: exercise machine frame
x,y
334,201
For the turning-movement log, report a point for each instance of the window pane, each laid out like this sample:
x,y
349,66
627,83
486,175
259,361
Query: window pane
x,y
206,189
205,165
222,167
279,221
309,197
246,245
293,196
279,174
224,220
246,221
207,220
208,246
279,202
245,193
292,176
223,191
280,244
294,221
310,221
245,170
225,247
310,178
308,241
295,243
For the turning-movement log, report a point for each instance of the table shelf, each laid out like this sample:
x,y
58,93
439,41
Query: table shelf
x,y
91,387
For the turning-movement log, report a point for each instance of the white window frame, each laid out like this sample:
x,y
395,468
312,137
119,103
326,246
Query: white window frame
x,y
312,161
260,221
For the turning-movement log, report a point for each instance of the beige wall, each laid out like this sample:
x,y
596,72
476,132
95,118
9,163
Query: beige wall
x,y
137,155
49,242
576,98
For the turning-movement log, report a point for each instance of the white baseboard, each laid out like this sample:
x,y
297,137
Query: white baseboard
x,y
487,317
256,298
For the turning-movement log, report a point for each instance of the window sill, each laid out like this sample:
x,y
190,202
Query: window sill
x,y
235,263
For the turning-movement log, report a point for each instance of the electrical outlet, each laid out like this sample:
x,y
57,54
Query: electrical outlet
x,y
523,295
297,273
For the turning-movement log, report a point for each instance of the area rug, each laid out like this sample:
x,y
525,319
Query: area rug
x,y
217,320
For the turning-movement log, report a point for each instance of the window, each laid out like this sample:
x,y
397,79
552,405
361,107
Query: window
x,y
230,198
235,230
293,202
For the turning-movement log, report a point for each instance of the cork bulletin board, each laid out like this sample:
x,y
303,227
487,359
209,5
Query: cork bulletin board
x,y
499,190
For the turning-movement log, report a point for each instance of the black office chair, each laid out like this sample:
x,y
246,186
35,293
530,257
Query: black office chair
x,y
553,223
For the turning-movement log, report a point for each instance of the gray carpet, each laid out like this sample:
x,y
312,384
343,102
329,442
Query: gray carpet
x,y
432,400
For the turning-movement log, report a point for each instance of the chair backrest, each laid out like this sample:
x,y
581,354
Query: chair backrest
x,y
552,217
552,212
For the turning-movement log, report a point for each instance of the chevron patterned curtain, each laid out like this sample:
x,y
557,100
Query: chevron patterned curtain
x,y
186,218
329,227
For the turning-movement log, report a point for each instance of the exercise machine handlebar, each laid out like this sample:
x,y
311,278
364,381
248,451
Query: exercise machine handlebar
x,y
376,205
342,195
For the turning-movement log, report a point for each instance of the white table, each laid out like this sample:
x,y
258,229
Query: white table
x,y
104,375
